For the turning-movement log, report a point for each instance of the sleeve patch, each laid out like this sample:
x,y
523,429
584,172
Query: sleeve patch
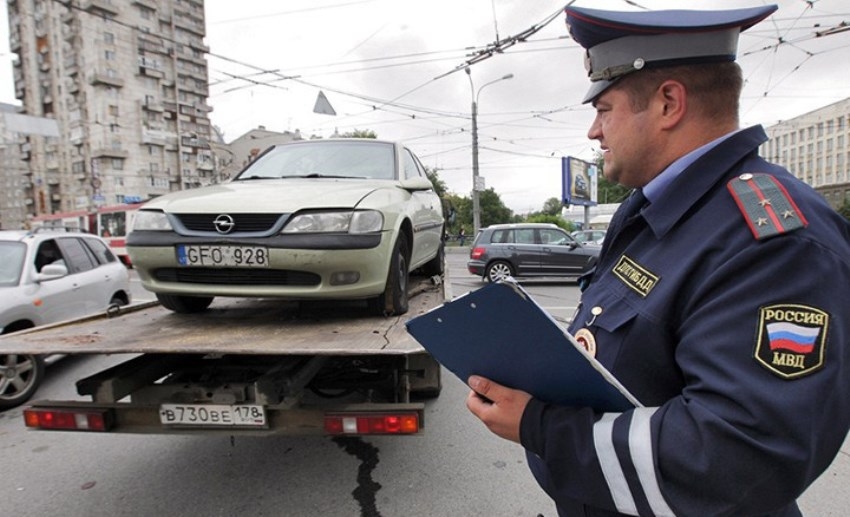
x,y
765,204
791,339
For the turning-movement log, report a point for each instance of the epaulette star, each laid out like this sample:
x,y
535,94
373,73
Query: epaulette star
x,y
765,204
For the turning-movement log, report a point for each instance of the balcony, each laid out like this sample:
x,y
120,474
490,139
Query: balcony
x,y
152,105
99,7
150,4
152,137
109,153
102,78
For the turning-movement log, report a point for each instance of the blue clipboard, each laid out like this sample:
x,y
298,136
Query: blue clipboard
x,y
501,333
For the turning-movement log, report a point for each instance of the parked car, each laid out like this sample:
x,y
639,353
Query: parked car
x,y
589,236
528,249
46,277
341,219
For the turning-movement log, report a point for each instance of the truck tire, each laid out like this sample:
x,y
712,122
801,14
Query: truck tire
x,y
20,376
184,304
394,301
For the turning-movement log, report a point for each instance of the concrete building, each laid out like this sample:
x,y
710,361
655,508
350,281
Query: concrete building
x,y
127,83
815,148
12,175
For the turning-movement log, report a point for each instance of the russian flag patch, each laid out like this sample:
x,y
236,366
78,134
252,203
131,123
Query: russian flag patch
x,y
792,339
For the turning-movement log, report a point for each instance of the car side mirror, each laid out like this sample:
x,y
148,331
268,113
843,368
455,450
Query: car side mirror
x,y
417,183
51,272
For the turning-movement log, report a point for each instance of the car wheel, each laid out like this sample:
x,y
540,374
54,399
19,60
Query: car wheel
x,y
394,298
498,270
437,265
20,376
184,304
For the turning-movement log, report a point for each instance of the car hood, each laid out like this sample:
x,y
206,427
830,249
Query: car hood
x,y
274,196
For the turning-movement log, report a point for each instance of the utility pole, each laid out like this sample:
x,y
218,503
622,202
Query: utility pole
x,y
476,203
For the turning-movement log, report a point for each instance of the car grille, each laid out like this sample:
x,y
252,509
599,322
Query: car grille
x,y
244,222
236,276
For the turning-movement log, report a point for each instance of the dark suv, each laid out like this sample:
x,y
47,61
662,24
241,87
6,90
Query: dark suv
x,y
528,249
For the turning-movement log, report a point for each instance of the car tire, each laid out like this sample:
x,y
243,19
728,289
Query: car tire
x,y
498,270
393,301
20,377
437,265
184,304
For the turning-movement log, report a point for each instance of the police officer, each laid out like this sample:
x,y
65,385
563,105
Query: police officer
x,y
720,299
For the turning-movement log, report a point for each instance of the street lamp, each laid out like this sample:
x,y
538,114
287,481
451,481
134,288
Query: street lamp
x,y
476,205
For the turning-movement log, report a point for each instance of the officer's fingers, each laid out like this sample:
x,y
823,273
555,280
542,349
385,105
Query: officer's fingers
x,y
486,388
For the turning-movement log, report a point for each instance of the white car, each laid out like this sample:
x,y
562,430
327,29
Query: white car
x,y
337,219
46,277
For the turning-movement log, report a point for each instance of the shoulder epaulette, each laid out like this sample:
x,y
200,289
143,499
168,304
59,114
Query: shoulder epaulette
x,y
766,205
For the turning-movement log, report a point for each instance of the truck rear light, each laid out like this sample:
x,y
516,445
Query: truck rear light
x,y
69,419
395,423
476,253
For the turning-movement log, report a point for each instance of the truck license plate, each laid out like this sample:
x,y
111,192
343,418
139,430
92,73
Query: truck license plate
x,y
214,255
212,415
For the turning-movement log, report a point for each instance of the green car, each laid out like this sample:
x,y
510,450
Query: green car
x,y
338,219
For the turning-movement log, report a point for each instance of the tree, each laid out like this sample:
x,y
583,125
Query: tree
x,y
554,219
552,206
493,210
360,133
845,210
439,185
608,192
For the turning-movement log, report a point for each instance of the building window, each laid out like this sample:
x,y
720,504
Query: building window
x,y
109,55
113,110
118,164
108,38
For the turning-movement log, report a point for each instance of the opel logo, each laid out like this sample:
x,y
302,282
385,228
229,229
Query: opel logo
x,y
224,223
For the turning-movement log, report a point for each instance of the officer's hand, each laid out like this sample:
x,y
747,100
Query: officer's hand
x,y
500,408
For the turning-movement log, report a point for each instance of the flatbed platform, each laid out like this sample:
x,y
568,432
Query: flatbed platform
x,y
237,326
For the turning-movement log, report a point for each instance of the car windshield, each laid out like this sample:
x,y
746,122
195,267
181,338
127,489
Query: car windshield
x,y
366,160
11,262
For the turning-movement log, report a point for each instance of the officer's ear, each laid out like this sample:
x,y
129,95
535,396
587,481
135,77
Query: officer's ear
x,y
671,99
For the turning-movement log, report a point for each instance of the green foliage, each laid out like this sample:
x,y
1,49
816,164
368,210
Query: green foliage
x,y
439,185
552,206
554,219
845,210
608,192
360,133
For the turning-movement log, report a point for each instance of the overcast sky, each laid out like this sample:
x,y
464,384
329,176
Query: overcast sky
x,y
396,67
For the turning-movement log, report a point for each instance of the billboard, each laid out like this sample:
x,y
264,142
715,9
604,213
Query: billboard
x,y
578,182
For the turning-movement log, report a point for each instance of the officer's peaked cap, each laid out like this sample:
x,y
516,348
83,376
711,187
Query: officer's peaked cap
x,y
619,43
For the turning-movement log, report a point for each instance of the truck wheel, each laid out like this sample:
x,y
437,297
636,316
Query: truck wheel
x,y
498,270
20,376
184,304
437,265
394,298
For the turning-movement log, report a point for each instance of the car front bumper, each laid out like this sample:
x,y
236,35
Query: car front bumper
x,y
300,267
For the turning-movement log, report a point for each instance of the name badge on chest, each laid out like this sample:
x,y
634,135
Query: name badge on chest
x,y
640,279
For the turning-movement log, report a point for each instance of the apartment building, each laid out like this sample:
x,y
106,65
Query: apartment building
x,y
12,205
815,148
127,83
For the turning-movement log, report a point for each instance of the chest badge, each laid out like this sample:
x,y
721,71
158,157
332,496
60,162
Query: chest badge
x,y
637,277
791,339
586,339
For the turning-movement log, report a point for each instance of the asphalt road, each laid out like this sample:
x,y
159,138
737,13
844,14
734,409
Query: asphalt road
x,y
455,468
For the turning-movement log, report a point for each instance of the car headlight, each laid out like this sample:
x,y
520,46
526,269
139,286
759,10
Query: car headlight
x,y
151,220
348,221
